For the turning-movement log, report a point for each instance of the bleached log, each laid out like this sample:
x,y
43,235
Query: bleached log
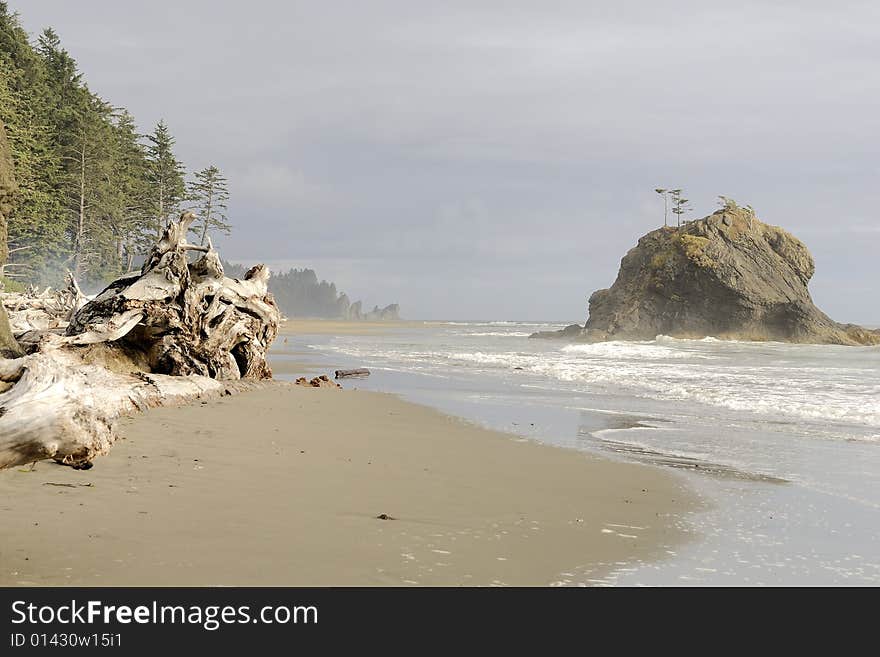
x,y
64,409
42,311
71,298
113,328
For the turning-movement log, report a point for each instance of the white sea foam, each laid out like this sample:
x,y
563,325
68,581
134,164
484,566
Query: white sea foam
x,y
500,334
632,350
839,384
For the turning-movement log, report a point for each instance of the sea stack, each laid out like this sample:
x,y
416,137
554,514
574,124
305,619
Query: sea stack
x,y
728,275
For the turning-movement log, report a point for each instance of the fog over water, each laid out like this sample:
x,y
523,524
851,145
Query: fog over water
x,y
479,159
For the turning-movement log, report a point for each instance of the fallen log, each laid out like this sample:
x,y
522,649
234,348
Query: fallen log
x,y
61,408
33,310
359,372
173,332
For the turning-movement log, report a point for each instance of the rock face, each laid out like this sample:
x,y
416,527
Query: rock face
x,y
354,311
388,313
728,275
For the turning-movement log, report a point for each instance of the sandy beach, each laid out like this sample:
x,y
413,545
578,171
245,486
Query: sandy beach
x,y
431,296
284,486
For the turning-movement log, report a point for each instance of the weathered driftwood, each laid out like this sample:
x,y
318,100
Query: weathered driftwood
x,y
36,310
185,318
168,334
71,298
61,408
359,372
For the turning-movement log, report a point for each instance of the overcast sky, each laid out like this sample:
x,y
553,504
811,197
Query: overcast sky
x,y
487,159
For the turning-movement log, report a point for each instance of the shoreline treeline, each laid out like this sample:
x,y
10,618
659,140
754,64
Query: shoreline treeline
x,y
91,193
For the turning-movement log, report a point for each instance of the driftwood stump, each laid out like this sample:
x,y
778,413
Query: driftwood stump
x,y
169,333
186,318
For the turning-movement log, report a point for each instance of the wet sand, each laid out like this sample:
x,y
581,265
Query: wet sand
x,y
283,486
286,361
343,327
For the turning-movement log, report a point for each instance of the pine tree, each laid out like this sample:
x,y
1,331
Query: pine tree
x,y
74,119
210,194
7,193
87,191
166,176
130,216
90,194
679,204
665,194
36,226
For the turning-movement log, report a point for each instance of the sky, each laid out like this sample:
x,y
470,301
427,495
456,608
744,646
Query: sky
x,y
495,160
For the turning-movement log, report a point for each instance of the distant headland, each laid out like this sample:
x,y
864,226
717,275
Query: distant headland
x,y
299,293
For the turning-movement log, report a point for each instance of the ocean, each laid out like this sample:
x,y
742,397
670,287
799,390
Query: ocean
x,y
782,441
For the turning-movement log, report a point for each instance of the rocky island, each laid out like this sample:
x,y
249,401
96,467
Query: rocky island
x,y
728,275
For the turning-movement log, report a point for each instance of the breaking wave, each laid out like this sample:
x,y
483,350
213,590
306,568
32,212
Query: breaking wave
x,y
839,384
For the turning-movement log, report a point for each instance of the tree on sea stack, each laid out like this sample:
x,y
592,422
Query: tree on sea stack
x,y
679,204
210,194
727,204
665,194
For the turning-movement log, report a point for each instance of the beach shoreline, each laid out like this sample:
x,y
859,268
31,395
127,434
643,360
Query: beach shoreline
x,y
299,327
285,486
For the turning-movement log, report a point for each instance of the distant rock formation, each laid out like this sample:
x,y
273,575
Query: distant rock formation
x,y
727,275
299,293
354,311
388,313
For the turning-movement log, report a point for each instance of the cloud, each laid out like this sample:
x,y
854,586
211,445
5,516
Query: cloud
x,y
274,185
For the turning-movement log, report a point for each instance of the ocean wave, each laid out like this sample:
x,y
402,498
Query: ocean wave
x,y
819,384
847,399
668,339
499,334
505,360
741,392
633,350
496,323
